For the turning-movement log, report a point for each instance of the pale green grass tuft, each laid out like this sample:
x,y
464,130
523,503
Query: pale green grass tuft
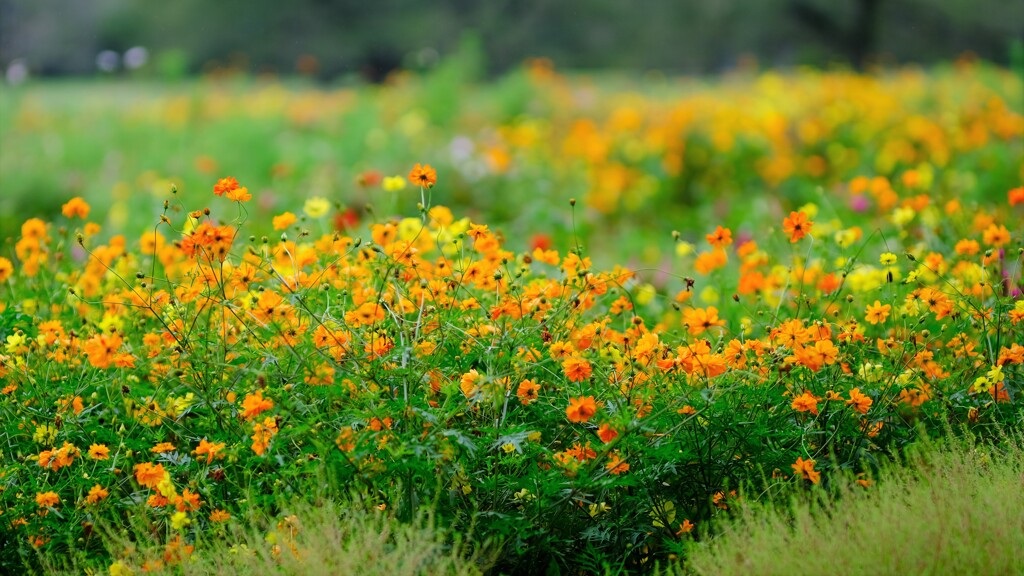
x,y
327,539
950,509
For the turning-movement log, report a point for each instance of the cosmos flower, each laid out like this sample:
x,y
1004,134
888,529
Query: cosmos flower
x,y
796,225
581,409
423,176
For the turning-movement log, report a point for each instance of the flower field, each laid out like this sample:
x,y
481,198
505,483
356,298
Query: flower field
x,y
580,320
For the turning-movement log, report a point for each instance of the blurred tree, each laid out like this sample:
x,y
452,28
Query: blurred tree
x,y
856,41
335,37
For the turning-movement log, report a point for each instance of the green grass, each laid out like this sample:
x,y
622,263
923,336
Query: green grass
x,y
327,538
951,509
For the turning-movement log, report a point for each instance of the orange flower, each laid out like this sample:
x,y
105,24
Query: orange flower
x,y
827,351
685,528
859,401
791,333
162,448
527,392
576,369
708,262
1016,196
219,516
346,440
149,474
606,433
101,349
96,493
240,194
35,229
701,319
254,404
366,314
47,499
998,393
76,207
581,453
871,428
805,469
225,185
797,225
469,383
262,433
209,241
6,269
806,402
561,350
615,465
967,247
209,449
99,452
423,176
720,238
581,409
877,312
57,458
283,221
996,235
187,501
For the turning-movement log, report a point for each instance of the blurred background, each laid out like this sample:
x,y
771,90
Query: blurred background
x,y
331,39
657,115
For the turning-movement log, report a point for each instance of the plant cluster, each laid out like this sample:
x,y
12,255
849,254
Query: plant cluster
x,y
582,417
691,151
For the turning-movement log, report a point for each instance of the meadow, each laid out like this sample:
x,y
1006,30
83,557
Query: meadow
x,y
553,323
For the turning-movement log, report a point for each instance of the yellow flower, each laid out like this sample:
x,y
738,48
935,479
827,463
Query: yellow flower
x,y
811,209
394,183
409,228
709,295
16,343
44,434
645,294
316,207
119,568
166,487
871,372
902,216
845,238
180,520
747,326
995,375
